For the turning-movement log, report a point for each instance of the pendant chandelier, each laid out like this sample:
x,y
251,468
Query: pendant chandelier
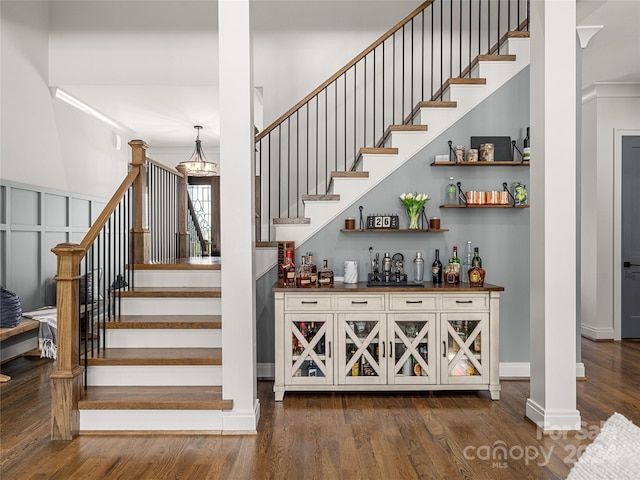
x,y
198,165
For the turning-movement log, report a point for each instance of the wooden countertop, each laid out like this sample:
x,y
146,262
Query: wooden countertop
x,y
426,287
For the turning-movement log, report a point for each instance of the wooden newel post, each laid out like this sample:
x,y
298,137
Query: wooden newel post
x,y
140,236
183,233
66,381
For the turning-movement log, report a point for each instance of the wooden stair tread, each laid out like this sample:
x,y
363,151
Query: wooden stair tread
x,y
154,398
408,128
156,356
191,263
291,221
437,104
401,128
458,81
378,151
321,198
349,175
172,292
266,244
166,322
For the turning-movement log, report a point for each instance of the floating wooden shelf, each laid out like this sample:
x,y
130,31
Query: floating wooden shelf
x,y
391,230
480,164
484,206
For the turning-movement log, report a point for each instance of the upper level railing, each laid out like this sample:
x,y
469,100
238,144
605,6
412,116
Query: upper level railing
x,y
410,63
145,221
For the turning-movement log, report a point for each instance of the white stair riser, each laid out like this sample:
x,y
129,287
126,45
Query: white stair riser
x,y
177,278
154,375
520,48
151,420
409,140
171,306
163,338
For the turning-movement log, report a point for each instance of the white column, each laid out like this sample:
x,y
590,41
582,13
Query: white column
x,y
237,216
552,402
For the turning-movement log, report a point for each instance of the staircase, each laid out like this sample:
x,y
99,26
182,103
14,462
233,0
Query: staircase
x,y
400,143
161,370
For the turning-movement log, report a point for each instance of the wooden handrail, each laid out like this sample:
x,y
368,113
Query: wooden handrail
x,y
104,216
164,167
349,65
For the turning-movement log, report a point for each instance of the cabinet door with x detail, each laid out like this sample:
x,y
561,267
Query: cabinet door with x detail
x,y
464,358
361,349
308,349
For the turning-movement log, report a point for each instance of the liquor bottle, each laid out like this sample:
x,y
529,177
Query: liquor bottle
x,y
466,265
477,261
436,269
526,152
325,277
303,277
289,270
452,193
355,368
453,271
313,270
476,274
419,261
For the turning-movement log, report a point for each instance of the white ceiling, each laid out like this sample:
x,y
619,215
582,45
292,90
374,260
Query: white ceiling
x,y
163,113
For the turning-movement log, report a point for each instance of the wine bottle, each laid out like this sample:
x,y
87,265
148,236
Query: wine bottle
x,y
436,269
526,153
476,261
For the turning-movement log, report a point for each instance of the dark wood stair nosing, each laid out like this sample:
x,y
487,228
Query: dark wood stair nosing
x,y
190,356
163,322
291,221
171,292
154,398
321,198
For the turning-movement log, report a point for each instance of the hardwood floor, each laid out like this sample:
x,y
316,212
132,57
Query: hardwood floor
x,y
436,435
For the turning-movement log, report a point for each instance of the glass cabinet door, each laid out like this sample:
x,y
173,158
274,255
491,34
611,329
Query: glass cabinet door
x,y
308,338
361,340
411,354
465,358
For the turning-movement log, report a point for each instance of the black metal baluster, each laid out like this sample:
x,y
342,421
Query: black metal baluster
x,y
393,82
364,106
470,36
326,139
479,25
460,40
402,100
441,50
345,121
422,95
317,141
451,39
432,50
411,97
280,173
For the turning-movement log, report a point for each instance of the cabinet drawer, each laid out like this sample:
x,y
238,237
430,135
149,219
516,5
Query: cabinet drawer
x,y
360,303
475,302
411,301
307,303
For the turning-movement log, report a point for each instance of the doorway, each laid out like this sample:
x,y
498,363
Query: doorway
x,y
630,237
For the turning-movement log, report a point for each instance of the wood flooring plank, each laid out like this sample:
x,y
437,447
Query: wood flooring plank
x,y
351,435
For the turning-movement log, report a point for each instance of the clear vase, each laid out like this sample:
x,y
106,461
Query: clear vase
x,y
413,219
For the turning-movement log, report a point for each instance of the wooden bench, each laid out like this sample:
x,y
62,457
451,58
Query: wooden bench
x,y
17,341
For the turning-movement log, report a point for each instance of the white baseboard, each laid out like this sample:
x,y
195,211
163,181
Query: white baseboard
x,y
594,333
507,370
266,371
552,420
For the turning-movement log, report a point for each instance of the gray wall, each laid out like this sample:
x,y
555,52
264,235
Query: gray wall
x,y
501,234
33,220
